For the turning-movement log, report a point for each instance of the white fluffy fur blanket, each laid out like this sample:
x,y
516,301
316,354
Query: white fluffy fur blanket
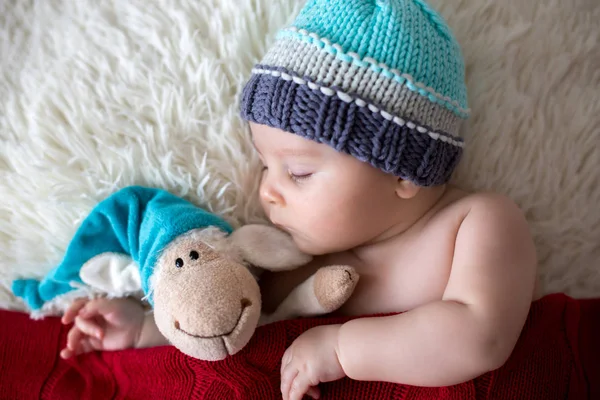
x,y
97,95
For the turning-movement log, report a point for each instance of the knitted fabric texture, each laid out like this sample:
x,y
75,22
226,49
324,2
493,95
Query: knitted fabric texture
x,y
555,358
136,221
383,81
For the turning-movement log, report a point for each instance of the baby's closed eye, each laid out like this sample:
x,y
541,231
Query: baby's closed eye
x,y
299,176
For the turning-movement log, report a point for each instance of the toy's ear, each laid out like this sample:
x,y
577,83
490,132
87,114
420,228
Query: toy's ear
x,y
268,248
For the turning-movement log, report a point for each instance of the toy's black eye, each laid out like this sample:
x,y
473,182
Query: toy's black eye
x,y
179,263
194,255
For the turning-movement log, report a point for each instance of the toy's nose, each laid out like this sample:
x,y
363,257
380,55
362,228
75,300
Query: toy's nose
x,y
246,302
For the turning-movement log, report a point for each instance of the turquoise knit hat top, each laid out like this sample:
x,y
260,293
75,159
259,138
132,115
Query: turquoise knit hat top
x,y
381,80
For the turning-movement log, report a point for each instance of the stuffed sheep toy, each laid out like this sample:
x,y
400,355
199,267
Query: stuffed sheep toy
x,y
197,274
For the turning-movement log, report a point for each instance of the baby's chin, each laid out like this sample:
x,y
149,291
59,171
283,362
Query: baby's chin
x,y
312,246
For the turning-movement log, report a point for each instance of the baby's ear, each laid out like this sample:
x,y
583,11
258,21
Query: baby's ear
x,y
405,189
268,247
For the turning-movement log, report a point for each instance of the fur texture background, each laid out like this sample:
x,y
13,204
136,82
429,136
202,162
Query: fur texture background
x,y
97,95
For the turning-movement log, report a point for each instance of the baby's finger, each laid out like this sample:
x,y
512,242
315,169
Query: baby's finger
x,y
95,343
89,344
89,327
285,360
299,388
287,378
66,353
84,347
72,311
73,338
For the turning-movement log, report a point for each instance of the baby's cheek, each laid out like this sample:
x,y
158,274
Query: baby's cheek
x,y
333,234
319,225
314,239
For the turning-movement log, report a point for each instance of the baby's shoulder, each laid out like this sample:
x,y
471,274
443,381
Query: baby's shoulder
x,y
463,203
489,211
491,203
487,215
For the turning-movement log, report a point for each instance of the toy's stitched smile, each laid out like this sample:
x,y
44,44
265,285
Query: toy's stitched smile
x,y
245,305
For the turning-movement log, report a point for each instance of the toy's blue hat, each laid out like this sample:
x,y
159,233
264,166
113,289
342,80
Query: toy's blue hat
x,y
136,221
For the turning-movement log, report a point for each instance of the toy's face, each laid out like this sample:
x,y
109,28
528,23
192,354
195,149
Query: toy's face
x,y
205,304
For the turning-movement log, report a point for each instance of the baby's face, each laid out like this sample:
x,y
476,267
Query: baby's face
x,y
327,201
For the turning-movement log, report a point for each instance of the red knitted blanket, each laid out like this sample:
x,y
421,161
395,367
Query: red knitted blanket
x,y
557,357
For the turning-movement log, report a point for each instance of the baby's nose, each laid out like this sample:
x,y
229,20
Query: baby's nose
x,y
270,195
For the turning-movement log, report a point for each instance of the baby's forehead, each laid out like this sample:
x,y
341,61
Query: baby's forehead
x,y
278,141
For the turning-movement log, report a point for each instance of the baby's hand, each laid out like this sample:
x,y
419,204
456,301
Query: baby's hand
x,y
310,360
102,324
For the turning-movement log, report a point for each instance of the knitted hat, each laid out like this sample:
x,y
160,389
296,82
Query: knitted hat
x,y
381,80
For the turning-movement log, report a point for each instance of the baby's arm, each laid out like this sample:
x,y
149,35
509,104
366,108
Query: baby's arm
x,y
150,336
474,328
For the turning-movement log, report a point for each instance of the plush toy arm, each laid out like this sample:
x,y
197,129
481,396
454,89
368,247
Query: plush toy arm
x,y
268,247
323,292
